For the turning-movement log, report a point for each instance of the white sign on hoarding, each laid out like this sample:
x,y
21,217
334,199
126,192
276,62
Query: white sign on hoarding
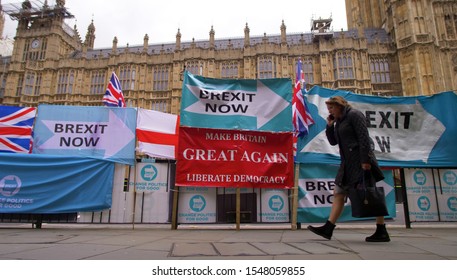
x,y
275,206
151,177
420,191
197,205
447,194
152,195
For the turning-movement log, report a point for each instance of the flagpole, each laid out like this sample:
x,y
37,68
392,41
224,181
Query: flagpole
x,y
127,172
298,83
134,169
301,119
174,211
294,225
238,208
134,194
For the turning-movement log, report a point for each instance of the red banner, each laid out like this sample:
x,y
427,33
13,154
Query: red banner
x,y
233,158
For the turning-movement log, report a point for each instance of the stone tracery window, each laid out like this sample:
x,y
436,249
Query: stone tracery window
x,y
37,87
343,66
380,70
159,106
20,84
229,70
265,67
98,82
161,77
127,75
65,82
308,71
194,67
29,83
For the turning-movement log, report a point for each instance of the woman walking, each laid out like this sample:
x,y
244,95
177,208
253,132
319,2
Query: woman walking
x,y
347,128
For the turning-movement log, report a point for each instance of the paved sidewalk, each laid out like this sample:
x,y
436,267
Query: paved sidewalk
x,y
217,242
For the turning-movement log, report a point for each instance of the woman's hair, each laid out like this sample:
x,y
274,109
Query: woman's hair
x,y
338,100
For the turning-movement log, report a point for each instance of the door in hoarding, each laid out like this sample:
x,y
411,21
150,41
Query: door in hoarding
x,y
226,206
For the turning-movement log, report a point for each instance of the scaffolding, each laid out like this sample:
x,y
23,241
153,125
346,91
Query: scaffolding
x,y
320,28
35,9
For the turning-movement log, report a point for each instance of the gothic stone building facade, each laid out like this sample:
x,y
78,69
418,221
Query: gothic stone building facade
x,y
391,48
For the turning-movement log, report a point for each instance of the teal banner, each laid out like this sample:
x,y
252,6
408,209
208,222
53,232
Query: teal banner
x,y
413,131
316,184
54,184
263,105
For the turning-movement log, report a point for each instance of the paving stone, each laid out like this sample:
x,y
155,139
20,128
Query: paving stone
x,y
65,252
193,249
238,249
319,248
275,248
132,254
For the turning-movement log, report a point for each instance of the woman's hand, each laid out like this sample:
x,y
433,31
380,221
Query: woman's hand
x,y
330,120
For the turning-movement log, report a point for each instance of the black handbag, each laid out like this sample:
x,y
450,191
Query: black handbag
x,y
367,200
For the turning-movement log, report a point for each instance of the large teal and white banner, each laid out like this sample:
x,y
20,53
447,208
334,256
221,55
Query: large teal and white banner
x,y
99,132
260,105
315,196
54,184
417,131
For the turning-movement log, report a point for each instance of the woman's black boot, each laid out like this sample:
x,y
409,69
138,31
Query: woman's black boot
x,y
380,235
325,231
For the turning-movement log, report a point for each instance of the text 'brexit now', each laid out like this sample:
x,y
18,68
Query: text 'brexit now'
x,y
227,96
80,128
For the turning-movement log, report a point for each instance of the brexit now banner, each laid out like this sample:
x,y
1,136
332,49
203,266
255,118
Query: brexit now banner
x,y
231,158
261,105
315,194
99,132
54,184
416,131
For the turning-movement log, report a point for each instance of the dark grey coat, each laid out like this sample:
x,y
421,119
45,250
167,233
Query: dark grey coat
x,y
350,133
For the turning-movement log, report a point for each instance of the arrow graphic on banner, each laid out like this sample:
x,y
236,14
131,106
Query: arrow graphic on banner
x,y
263,104
307,198
276,203
111,136
399,131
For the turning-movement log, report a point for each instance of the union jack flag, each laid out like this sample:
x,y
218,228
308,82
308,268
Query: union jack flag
x,y
113,96
301,117
16,129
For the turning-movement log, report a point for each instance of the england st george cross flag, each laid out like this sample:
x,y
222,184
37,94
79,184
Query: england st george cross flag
x,y
157,133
